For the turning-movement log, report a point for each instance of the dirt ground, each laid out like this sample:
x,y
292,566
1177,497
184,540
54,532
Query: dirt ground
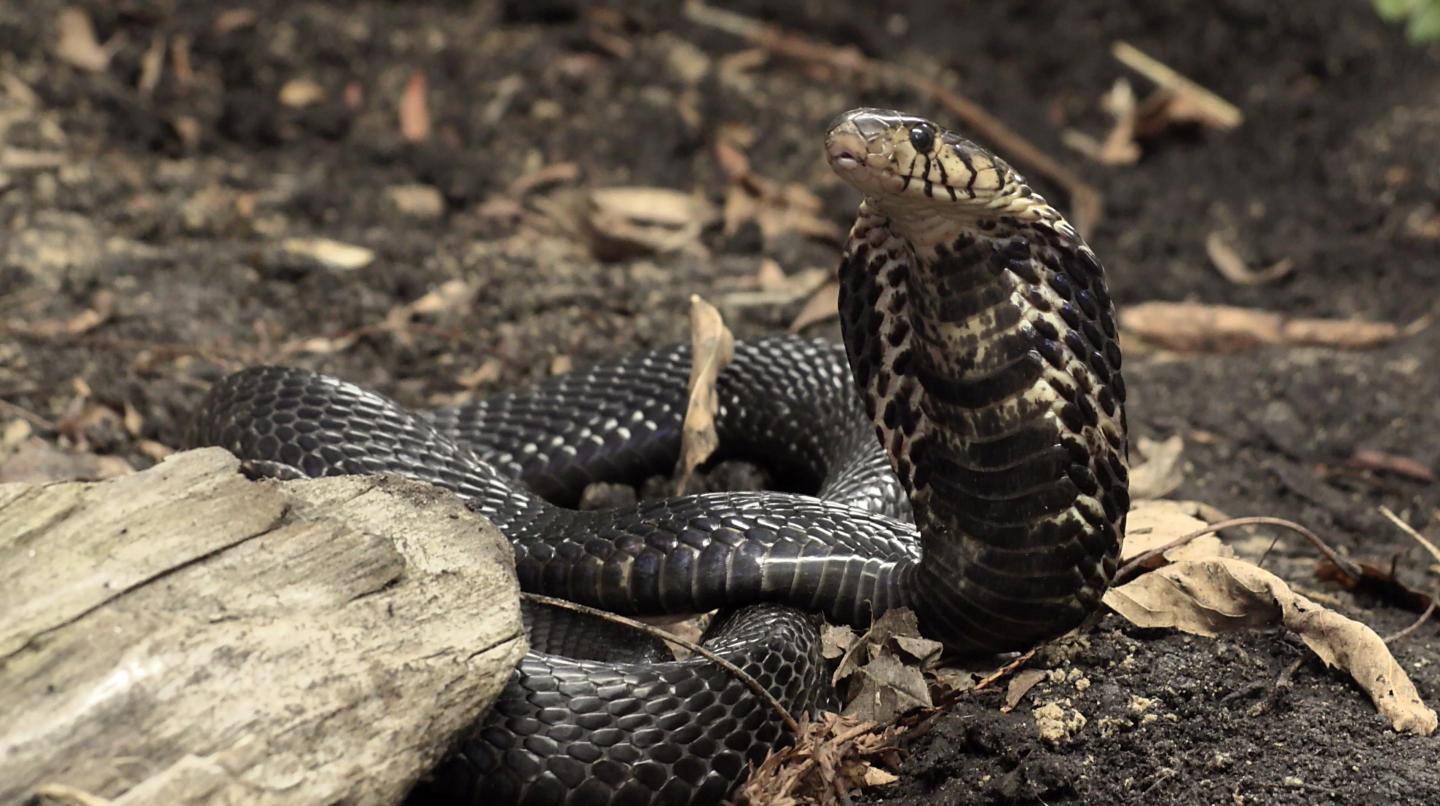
x,y
149,189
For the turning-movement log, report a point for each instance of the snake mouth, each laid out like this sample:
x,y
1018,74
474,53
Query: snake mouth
x,y
845,150
858,149
860,160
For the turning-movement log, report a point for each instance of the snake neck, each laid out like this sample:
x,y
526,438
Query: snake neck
x,y
989,362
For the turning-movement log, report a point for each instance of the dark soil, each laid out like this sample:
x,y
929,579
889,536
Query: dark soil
x,y
163,211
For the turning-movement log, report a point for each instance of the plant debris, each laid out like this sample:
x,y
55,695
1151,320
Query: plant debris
x,y
1221,594
1382,462
624,222
712,348
1184,99
832,757
78,45
1233,268
822,306
1198,327
415,109
329,253
1161,472
1156,527
881,674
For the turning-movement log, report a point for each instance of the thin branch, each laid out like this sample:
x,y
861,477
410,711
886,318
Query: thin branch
x,y
1415,625
1006,670
1410,530
656,632
214,355
27,415
1225,113
1130,569
1086,203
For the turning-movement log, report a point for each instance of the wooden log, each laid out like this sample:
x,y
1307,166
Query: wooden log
x,y
186,635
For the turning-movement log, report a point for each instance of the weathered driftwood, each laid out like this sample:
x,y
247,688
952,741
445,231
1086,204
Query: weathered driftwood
x,y
184,635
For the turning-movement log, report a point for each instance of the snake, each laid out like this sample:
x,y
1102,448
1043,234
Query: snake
x,y
960,452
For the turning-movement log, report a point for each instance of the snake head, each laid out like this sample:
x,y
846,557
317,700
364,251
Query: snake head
x,y
910,167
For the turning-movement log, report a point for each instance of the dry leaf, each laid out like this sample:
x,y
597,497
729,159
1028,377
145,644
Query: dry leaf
x,y
822,306
414,109
1160,473
448,296
1020,685
774,287
36,461
893,623
330,254
233,19
152,62
488,372
553,174
712,347
835,639
319,345
776,208
1156,523
877,683
1233,268
887,688
1220,595
298,93
625,222
78,45
153,450
416,199
17,431
874,776
1197,327
732,160
134,422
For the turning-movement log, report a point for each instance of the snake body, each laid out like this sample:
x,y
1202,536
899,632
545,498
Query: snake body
x,y
981,338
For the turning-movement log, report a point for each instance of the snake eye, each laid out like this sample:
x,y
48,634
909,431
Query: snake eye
x,y
922,137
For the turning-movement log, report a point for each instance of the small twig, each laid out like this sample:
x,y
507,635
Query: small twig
x,y
1085,201
839,738
1130,569
61,793
28,416
1225,113
1233,267
1410,530
1006,670
1418,623
213,355
656,632
1273,695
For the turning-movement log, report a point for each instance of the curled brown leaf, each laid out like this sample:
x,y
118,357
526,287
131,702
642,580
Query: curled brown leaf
x,y
1220,595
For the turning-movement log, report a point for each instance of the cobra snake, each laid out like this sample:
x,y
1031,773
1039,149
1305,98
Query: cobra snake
x,y
980,335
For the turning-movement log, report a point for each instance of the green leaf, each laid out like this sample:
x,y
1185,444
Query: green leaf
x,y
1393,10
1425,24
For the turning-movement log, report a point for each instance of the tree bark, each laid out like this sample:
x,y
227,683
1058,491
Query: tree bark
x,y
186,635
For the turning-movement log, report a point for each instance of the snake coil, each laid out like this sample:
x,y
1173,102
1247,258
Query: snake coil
x,y
980,335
